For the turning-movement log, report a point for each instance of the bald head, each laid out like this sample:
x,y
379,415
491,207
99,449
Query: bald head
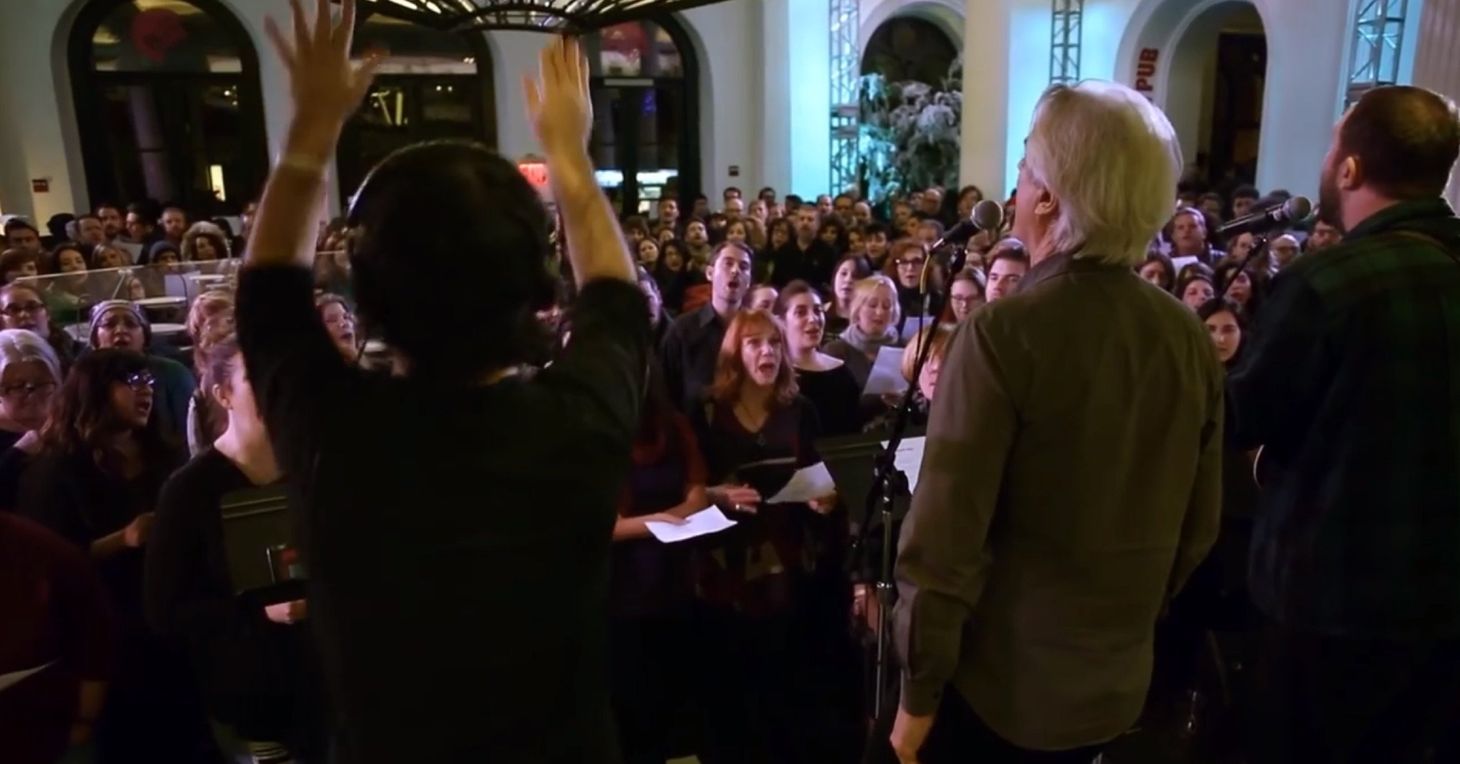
x,y
1404,139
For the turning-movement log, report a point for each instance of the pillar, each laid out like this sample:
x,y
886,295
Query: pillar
x,y
983,159
1307,55
1437,60
795,62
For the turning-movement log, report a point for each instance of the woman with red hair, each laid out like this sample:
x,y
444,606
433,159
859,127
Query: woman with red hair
x,y
754,579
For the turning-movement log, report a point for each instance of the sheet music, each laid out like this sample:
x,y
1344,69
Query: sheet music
x,y
909,459
701,523
913,323
886,376
808,483
15,677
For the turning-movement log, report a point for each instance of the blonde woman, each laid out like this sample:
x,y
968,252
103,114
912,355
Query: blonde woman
x,y
871,326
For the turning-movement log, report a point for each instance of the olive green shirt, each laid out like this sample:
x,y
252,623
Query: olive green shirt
x,y
1071,482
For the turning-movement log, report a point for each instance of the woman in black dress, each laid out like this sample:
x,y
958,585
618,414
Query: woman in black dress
x,y
252,658
824,380
761,696
95,482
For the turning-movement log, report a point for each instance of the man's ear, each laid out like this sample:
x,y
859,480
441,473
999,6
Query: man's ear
x,y
1351,173
1046,206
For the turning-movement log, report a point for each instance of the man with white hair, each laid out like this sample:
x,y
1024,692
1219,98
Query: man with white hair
x,y
1071,479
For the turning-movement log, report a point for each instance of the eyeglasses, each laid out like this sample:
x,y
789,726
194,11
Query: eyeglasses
x,y
16,310
912,261
140,380
27,389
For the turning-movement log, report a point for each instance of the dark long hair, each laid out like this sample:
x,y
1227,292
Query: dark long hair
x,y
82,421
453,226
1221,304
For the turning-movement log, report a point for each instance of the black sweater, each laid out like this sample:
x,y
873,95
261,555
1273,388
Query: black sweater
x,y
257,675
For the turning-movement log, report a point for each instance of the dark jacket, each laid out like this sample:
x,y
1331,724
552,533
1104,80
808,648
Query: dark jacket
x,y
1353,391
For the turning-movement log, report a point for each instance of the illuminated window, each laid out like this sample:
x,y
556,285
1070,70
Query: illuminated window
x,y
645,127
431,85
168,104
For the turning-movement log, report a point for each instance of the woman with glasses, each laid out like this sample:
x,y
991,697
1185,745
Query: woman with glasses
x,y
252,660
965,294
102,460
29,376
120,324
22,307
909,258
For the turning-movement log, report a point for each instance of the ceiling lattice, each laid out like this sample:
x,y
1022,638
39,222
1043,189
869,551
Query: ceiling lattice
x,y
561,16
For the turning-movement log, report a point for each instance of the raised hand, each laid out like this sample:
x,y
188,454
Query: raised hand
x,y
326,85
557,101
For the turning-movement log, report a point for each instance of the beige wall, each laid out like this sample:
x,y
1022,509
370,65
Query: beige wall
x,y
1437,60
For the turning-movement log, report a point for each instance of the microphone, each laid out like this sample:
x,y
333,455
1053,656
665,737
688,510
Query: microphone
x,y
1291,211
987,215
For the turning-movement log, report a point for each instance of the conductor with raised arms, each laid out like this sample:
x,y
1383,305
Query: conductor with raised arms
x,y
456,517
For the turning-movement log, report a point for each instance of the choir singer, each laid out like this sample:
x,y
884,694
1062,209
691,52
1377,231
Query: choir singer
x,y
1071,478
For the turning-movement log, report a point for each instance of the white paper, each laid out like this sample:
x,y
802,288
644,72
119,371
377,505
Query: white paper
x,y
701,523
886,376
913,323
808,483
13,678
1182,261
909,459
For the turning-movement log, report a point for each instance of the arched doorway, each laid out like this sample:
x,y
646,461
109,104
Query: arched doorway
x,y
432,85
907,48
909,129
1229,44
168,104
645,140
1206,67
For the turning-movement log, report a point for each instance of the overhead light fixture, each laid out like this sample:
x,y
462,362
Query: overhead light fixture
x,y
571,16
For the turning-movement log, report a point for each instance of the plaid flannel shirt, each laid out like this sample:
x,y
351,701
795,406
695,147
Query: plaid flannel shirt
x,y
1353,388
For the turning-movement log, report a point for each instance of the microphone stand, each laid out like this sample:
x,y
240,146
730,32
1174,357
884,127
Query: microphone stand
x,y
879,501
1259,245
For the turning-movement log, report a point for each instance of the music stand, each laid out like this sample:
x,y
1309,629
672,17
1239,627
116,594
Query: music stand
x,y
264,562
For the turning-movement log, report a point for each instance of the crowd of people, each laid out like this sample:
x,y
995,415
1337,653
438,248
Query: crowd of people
x,y
770,319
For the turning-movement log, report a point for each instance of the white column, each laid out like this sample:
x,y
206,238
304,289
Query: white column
x,y
32,140
1437,60
985,126
773,68
808,70
1307,42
